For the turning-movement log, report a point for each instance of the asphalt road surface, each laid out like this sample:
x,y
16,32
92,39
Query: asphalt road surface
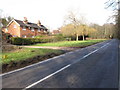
x,y
95,66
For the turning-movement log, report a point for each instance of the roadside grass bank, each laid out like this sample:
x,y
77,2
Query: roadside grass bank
x,y
71,43
26,56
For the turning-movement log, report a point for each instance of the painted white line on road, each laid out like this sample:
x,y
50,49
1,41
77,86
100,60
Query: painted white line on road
x,y
90,53
47,77
94,51
17,70
64,68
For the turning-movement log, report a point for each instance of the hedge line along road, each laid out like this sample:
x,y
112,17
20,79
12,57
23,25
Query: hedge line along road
x,y
95,66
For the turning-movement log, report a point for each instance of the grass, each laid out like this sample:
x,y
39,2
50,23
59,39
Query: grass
x,y
25,53
71,43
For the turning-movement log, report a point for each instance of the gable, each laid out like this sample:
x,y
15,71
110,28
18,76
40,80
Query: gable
x,y
12,22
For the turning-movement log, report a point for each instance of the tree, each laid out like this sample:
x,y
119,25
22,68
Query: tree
x,y
109,30
6,20
79,30
75,25
92,33
68,30
115,5
1,19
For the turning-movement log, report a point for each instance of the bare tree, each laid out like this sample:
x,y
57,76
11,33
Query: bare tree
x,y
76,23
115,5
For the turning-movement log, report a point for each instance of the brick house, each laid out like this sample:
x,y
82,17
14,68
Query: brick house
x,y
54,32
18,28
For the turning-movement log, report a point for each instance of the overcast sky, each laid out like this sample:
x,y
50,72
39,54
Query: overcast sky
x,y
51,13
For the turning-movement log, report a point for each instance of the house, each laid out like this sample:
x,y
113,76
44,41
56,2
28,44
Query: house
x,y
18,28
54,32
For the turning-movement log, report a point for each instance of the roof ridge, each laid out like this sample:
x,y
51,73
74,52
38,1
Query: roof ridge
x,y
30,24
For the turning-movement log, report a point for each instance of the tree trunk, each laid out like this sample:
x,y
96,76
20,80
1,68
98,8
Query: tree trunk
x,y
83,37
76,37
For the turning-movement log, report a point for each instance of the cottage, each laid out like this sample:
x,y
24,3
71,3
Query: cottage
x,y
18,28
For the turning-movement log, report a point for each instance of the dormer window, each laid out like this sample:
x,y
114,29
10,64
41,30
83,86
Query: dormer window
x,y
38,30
32,29
24,28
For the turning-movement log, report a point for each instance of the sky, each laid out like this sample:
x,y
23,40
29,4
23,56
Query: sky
x,y
52,13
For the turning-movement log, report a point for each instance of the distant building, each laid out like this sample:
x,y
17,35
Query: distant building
x,y
18,28
56,32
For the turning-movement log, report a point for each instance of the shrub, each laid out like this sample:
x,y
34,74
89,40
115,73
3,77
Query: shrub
x,y
21,41
28,41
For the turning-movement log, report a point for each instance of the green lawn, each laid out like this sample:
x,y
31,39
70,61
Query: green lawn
x,y
71,43
25,53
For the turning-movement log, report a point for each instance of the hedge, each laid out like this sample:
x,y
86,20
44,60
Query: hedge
x,y
28,41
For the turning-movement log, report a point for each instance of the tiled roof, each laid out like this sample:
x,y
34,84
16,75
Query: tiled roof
x,y
29,24
56,31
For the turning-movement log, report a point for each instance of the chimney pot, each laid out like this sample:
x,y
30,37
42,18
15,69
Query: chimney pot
x,y
39,23
25,20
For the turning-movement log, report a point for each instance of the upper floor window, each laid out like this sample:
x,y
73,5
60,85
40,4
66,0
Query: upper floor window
x,y
32,29
24,28
6,30
38,30
15,26
33,36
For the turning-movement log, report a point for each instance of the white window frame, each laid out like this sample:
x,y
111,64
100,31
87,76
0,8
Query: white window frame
x,y
24,36
14,26
38,30
24,28
44,31
32,29
33,36
6,30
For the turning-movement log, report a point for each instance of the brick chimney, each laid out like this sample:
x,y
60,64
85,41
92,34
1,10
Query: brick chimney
x,y
38,23
25,20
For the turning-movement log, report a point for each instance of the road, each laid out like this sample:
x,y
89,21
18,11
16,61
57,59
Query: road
x,y
95,66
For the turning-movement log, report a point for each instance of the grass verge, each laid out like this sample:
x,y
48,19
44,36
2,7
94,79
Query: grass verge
x,y
26,53
71,43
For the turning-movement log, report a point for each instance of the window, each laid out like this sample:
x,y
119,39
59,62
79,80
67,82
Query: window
x,y
28,27
32,29
38,30
33,36
24,28
14,36
6,30
15,26
24,36
44,31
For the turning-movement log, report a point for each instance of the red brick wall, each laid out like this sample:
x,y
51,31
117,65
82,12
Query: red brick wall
x,y
18,31
29,33
14,31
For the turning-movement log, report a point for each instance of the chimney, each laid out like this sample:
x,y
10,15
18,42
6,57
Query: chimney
x,y
38,23
25,20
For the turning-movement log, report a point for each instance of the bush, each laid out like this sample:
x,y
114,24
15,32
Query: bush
x,y
22,41
28,41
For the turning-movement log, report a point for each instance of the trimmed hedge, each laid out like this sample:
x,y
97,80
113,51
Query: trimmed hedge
x,y
28,41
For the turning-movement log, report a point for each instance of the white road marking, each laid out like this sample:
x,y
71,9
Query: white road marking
x,y
63,68
17,70
47,77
